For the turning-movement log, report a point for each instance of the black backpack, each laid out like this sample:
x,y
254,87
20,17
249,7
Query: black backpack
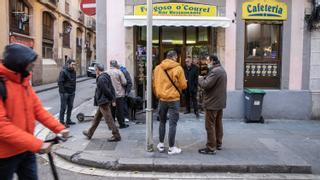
x,y
3,89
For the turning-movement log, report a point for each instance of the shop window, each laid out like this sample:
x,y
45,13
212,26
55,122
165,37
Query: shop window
x,y
203,34
262,55
19,17
47,50
143,34
191,35
172,35
66,34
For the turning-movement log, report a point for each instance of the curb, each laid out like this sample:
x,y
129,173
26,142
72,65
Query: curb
x,y
56,86
151,165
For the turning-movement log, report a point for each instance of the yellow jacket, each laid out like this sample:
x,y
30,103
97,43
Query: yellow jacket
x,y
162,86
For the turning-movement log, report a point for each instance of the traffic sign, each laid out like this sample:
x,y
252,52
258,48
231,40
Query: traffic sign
x,y
88,7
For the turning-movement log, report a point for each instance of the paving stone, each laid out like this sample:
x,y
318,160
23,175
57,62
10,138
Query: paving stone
x,y
93,160
141,164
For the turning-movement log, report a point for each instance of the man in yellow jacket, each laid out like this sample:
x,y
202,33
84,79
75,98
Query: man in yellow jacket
x,y
169,81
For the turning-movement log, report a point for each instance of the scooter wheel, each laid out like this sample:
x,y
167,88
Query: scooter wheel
x,y
80,117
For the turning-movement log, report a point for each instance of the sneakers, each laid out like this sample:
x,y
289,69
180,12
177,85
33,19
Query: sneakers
x,y
160,147
70,122
126,120
174,150
123,126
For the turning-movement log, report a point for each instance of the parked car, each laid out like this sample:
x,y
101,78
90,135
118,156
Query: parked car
x,y
91,72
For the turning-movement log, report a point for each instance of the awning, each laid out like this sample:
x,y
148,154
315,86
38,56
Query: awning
x,y
196,21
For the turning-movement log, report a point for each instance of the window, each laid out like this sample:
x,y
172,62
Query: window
x,y
66,34
47,26
19,17
172,35
262,55
203,34
47,35
191,35
67,7
143,34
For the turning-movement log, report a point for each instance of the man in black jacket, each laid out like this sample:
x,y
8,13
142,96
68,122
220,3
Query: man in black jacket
x,y
191,72
104,96
67,89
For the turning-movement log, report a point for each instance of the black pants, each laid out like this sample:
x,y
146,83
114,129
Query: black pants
x,y
66,101
193,96
126,108
118,111
23,164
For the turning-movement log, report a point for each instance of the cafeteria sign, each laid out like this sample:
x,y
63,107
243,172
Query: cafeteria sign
x,y
264,10
177,9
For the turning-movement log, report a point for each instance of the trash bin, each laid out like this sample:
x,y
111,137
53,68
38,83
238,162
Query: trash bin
x,y
253,99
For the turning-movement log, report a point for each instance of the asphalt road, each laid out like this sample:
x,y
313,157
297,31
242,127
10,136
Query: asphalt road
x,y
51,98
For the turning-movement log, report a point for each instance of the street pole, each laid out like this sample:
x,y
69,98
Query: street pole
x,y
149,127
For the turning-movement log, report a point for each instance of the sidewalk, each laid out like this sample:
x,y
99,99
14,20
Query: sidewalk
x,y
278,146
54,85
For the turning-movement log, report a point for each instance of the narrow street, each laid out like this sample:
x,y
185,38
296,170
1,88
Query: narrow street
x,y
51,98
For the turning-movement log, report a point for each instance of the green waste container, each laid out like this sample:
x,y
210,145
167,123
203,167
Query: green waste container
x,y
253,99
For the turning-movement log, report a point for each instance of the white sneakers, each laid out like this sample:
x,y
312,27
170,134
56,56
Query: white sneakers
x,y
171,150
160,147
174,150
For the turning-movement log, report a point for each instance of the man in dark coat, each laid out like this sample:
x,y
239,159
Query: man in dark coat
x,y
128,88
104,97
67,89
215,97
191,72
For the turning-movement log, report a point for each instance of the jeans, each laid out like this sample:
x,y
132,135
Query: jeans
x,y
23,164
214,128
105,112
173,109
66,101
118,111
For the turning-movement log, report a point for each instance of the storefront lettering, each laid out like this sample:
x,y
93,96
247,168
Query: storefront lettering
x,y
177,9
265,10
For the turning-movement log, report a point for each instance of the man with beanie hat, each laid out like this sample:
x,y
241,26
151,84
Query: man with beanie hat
x,y
18,112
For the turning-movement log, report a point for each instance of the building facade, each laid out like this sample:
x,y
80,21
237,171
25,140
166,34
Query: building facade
x,y
262,44
56,29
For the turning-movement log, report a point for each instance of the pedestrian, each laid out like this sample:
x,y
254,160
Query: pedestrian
x,y
215,97
191,72
20,107
169,81
127,88
104,97
119,82
67,89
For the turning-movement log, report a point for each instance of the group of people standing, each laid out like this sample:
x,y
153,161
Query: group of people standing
x,y
170,80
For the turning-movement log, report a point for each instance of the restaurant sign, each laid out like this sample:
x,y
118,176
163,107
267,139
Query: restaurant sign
x,y
264,10
177,9
21,40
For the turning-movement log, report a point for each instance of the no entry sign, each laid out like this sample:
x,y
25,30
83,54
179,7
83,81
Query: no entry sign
x,y
88,7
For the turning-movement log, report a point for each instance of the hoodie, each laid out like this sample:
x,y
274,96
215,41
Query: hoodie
x,y
162,86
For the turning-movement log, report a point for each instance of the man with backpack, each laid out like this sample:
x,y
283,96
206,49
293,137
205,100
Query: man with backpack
x,y
19,108
169,81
